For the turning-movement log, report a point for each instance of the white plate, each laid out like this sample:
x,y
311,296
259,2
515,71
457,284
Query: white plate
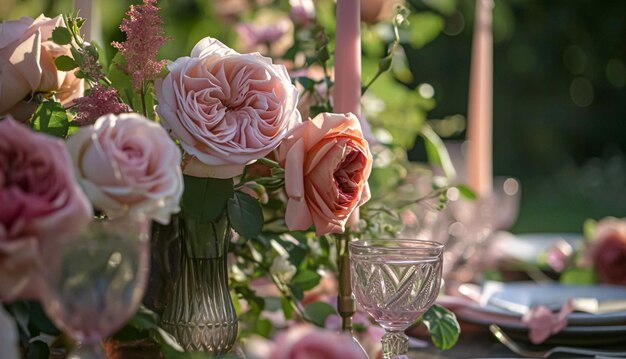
x,y
571,335
553,296
582,329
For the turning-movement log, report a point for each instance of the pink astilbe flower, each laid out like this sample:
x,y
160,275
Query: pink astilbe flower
x,y
144,38
99,102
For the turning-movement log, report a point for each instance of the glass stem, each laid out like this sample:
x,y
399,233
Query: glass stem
x,y
90,350
394,343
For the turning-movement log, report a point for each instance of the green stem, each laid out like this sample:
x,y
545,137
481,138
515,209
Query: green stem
x,y
282,287
143,100
366,87
268,162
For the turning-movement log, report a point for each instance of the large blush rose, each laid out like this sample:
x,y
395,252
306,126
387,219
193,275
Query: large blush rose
x,y
41,206
307,342
27,66
607,250
127,163
227,109
327,163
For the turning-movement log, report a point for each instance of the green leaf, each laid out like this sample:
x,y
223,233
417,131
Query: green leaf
x,y
425,27
245,215
579,276
589,228
51,118
306,82
443,327
38,350
287,308
317,312
436,151
306,279
205,199
144,319
39,319
61,35
263,328
466,192
65,63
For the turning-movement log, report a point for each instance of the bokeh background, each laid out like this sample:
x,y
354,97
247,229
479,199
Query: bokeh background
x,y
559,88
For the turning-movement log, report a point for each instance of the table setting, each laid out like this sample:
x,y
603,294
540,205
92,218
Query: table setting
x,y
240,188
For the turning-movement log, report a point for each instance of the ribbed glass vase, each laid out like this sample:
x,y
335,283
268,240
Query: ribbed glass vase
x,y
200,311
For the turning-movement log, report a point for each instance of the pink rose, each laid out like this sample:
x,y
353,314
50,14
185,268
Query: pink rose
x,y
27,66
327,163
305,341
227,109
128,163
41,205
607,250
254,35
302,12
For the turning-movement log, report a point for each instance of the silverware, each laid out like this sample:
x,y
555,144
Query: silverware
x,y
530,353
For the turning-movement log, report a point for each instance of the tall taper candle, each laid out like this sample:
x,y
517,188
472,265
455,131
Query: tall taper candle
x,y
347,98
480,108
347,88
88,10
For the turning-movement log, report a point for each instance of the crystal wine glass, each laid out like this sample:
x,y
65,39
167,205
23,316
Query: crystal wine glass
x,y
98,281
395,281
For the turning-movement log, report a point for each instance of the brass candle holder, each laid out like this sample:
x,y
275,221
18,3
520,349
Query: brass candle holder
x,y
346,303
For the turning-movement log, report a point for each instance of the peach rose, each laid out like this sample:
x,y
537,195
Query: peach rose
x,y
41,206
607,250
305,341
327,163
373,11
27,66
128,163
227,109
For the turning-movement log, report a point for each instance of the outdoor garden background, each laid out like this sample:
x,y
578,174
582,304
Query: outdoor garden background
x,y
559,88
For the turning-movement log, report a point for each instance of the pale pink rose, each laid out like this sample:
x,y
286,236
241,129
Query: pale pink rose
x,y
41,206
227,109
128,164
542,323
607,250
253,34
302,12
27,66
327,163
307,342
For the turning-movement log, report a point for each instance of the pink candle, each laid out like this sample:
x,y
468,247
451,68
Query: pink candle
x,y
347,88
480,110
84,8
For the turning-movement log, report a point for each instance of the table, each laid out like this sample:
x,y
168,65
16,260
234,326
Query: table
x,y
475,341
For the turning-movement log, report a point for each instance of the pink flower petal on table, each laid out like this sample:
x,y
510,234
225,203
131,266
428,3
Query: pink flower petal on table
x,y
542,323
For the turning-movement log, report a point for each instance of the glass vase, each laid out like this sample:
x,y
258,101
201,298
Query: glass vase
x,y
200,312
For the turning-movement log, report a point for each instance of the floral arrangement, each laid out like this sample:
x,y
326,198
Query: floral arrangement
x,y
599,258
250,137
